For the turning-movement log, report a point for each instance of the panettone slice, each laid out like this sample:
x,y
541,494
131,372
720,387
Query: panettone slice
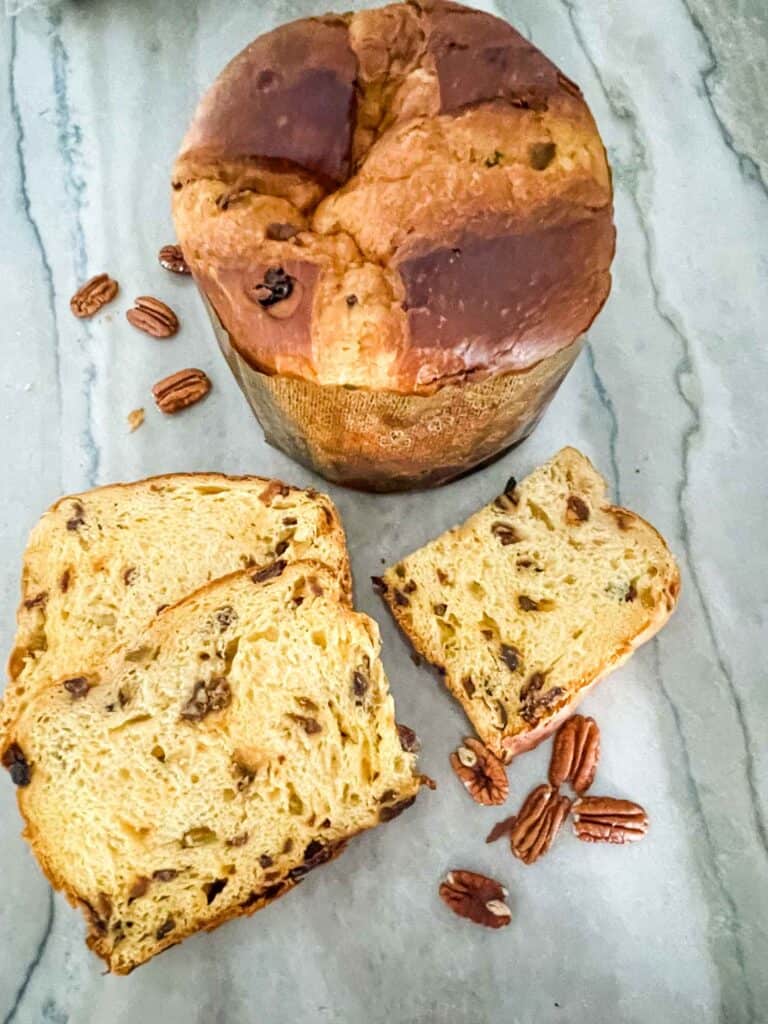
x,y
99,565
534,599
241,740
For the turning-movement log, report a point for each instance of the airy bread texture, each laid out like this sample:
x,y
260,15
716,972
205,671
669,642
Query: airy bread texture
x,y
99,565
396,201
242,739
534,599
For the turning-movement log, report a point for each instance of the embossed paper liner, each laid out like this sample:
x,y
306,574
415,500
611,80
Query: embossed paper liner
x,y
384,441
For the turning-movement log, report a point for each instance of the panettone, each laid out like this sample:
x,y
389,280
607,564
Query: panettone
x,y
401,220
534,599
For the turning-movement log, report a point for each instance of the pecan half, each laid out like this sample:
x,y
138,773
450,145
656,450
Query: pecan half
x,y
476,897
214,695
153,317
482,773
606,819
575,754
95,293
172,258
538,822
180,390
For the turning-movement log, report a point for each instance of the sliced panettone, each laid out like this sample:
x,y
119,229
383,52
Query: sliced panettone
x,y
534,599
241,741
100,565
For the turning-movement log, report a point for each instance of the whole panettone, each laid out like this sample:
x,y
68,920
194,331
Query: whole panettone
x,y
401,220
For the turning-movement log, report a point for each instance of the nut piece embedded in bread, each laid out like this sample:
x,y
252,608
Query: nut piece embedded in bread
x,y
401,221
534,599
242,740
100,565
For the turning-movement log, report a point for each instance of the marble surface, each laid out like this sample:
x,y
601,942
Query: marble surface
x,y
669,400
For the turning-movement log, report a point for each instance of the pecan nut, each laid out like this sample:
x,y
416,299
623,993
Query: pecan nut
x,y
153,317
172,258
606,819
537,823
95,293
575,754
476,897
180,390
482,773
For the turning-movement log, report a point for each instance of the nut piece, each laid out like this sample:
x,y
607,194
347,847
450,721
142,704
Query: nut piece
x,y
538,822
501,828
135,419
95,293
476,897
181,390
482,772
575,754
409,741
153,317
606,819
576,510
172,258
207,697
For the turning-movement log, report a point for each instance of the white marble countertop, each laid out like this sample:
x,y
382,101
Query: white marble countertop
x,y
670,402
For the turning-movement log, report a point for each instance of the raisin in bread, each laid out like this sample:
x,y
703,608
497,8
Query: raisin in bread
x,y
246,735
99,565
534,599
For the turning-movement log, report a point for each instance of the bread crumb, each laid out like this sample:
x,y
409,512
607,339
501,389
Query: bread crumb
x,y
135,419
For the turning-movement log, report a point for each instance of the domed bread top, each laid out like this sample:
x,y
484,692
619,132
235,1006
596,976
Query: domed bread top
x,y
396,199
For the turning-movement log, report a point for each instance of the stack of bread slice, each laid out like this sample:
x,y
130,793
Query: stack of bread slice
x,y
195,716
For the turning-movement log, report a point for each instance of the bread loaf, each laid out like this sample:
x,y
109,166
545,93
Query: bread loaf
x,y
99,565
240,741
533,599
400,219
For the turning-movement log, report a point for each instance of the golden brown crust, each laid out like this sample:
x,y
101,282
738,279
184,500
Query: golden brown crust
x,y
453,222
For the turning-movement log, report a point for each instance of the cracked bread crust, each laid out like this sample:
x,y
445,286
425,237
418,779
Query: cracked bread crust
x,y
533,600
242,741
99,565
445,218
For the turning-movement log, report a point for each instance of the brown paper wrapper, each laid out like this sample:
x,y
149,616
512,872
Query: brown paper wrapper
x,y
384,441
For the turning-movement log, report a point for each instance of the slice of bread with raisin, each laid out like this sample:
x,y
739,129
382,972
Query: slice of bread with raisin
x,y
534,599
99,565
243,739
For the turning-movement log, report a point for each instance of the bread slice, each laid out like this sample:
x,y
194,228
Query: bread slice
x,y
99,565
534,599
241,741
